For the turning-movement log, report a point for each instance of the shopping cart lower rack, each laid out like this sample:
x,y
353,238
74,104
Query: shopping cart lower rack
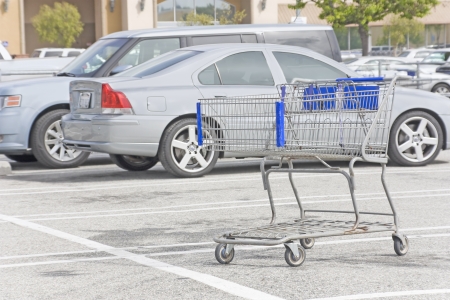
x,y
344,119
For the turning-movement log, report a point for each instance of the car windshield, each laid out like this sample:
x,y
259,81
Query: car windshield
x,y
94,57
159,63
404,54
437,57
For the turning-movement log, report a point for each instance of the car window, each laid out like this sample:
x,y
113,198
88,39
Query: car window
x,y
437,57
249,38
1,57
53,54
216,39
73,53
159,63
246,68
315,40
301,66
405,54
422,54
209,76
148,49
94,57
35,54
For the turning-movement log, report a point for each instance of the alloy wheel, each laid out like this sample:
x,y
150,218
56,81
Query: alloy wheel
x,y
416,139
54,145
187,154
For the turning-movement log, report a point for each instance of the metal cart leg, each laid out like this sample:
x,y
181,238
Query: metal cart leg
x,y
302,212
266,184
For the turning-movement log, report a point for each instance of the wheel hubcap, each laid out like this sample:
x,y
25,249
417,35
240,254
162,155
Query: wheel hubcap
x,y
53,144
186,152
442,90
417,139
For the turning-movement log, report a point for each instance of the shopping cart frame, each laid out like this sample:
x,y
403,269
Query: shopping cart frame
x,y
299,234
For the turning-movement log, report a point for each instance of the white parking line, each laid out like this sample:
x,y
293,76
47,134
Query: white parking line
x,y
218,283
229,207
388,294
358,240
227,202
255,177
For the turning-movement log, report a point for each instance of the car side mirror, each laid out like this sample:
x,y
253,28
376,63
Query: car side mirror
x,y
119,69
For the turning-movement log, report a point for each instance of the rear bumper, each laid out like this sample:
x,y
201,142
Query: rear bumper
x,y
122,134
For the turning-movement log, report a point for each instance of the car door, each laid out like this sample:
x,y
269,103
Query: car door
x,y
244,73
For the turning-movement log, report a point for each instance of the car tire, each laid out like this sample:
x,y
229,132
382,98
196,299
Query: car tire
x,y
25,158
180,154
46,143
441,88
416,139
134,163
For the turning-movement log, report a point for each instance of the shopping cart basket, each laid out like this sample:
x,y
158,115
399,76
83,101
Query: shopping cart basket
x,y
330,120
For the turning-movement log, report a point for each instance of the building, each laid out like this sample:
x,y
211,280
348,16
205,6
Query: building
x,y
101,17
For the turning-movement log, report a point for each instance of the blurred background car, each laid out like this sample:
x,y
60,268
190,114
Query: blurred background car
x,y
56,52
150,109
416,54
445,69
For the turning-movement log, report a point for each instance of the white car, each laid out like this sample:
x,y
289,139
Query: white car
x,y
56,52
416,54
428,79
4,54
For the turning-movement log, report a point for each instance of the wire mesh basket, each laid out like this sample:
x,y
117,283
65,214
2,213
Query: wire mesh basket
x,y
329,119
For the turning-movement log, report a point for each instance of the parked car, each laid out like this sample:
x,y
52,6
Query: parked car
x,y
43,101
4,54
150,110
427,80
56,52
438,57
416,54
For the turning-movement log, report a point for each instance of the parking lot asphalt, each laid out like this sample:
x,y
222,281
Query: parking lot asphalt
x,y
99,232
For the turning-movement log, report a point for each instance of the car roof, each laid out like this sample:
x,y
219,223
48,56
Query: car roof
x,y
243,46
57,49
188,30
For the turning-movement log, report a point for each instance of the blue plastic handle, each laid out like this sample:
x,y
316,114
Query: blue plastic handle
x,y
361,79
199,125
279,121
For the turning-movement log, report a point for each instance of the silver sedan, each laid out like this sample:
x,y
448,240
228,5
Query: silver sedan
x,y
149,110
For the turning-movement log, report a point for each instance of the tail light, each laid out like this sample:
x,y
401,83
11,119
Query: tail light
x,y
115,102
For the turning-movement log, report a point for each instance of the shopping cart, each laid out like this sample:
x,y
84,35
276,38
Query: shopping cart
x,y
346,119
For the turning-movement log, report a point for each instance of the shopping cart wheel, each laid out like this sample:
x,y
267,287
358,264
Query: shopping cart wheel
x,y
399,248
307,243
221,256
292,260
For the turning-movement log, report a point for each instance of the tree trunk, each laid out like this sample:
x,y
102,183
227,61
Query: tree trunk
x,y
364,35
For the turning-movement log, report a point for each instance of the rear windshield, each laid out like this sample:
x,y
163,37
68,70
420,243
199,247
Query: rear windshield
x,y
35,53
159,63
315,40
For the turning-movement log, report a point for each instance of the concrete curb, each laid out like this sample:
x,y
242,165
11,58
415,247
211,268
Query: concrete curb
x,y
5,168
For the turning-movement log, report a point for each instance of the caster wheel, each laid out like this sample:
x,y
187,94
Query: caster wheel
x,y
221,256
399,248
307,243
292,260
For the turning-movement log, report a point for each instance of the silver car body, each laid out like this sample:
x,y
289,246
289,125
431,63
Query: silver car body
x,y
169,95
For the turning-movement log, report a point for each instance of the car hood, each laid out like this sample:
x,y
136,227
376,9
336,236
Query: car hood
x,y
44,85
412,99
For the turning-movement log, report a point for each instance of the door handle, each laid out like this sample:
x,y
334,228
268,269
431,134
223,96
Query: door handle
x,y
219,96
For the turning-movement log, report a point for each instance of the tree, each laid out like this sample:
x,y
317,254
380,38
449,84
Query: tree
x,y
227,17
193,19
60,24
361,12
400,29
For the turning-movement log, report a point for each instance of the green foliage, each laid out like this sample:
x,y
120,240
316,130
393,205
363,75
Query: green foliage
x,y
399,28
342,37
60,24
227,17
193,19
361,12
